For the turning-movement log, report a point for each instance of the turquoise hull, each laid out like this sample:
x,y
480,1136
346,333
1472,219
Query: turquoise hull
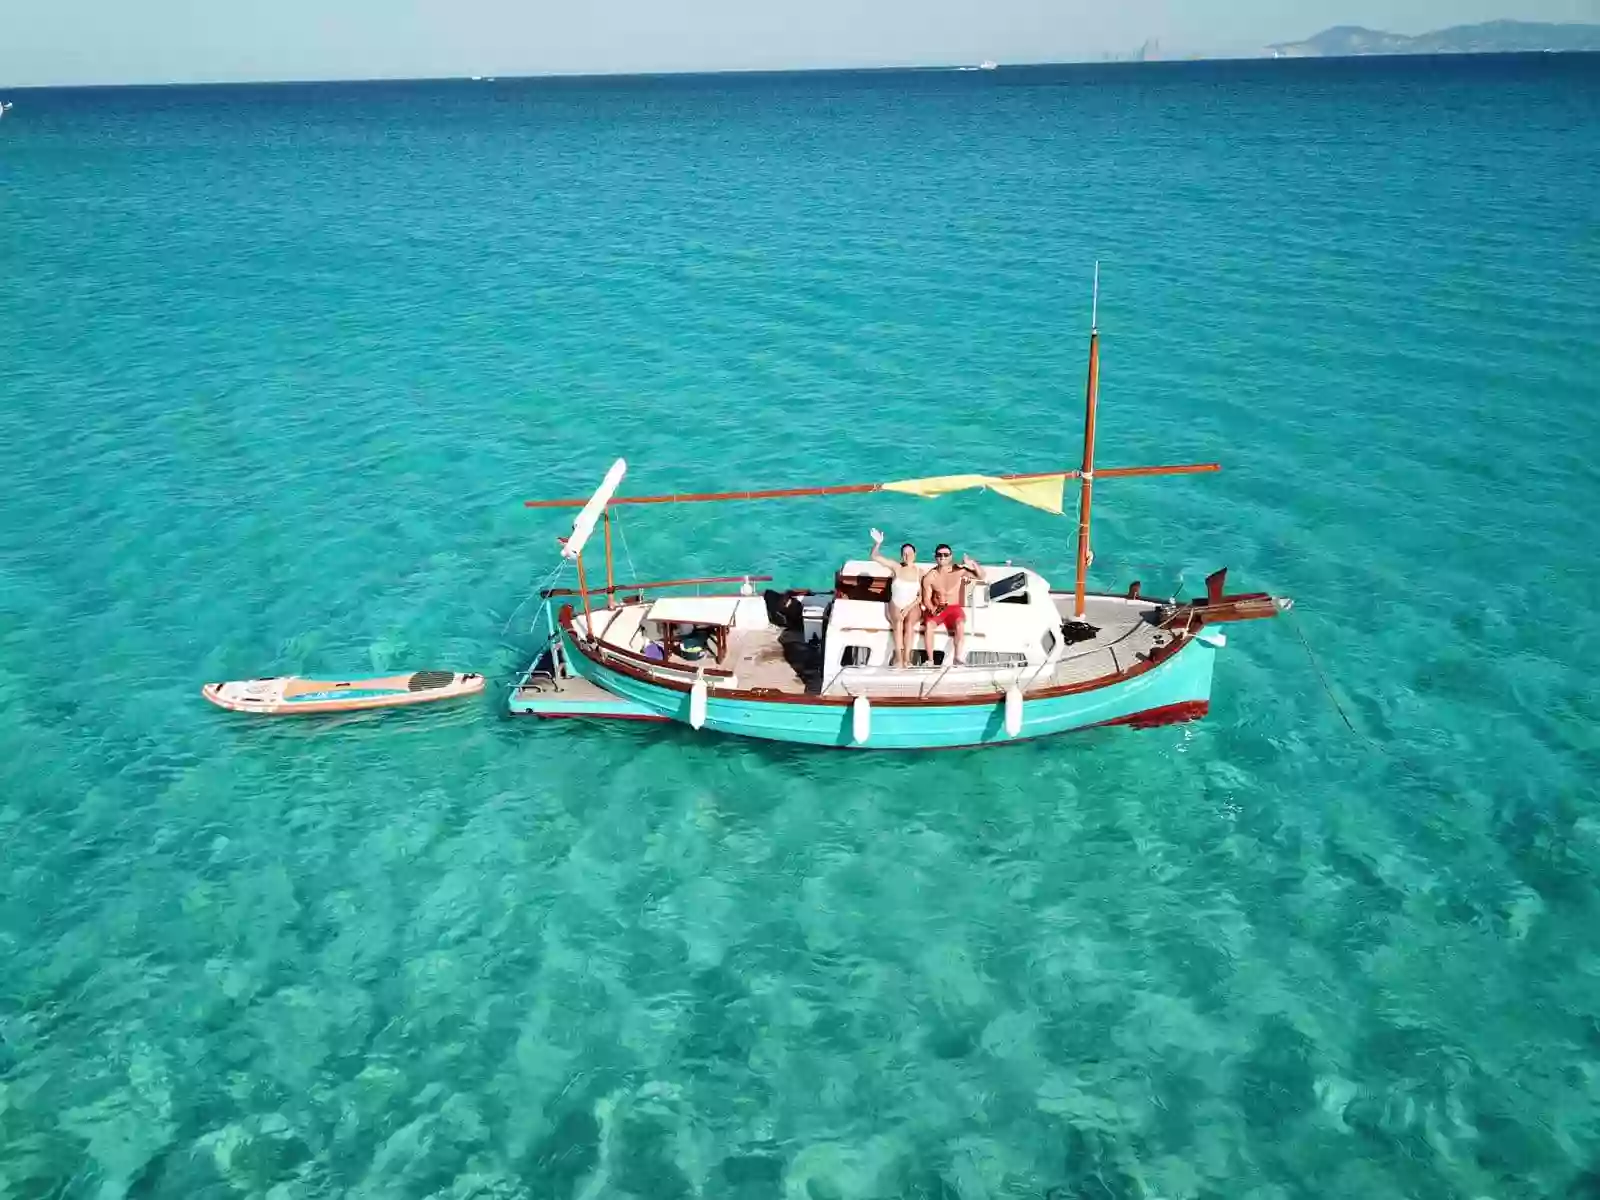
x,y
1178,689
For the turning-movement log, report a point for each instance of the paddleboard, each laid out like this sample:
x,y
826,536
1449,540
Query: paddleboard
x,y
289,694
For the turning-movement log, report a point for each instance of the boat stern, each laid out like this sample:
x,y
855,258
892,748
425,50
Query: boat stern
x,y
550,691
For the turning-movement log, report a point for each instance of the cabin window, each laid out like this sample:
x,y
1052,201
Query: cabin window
x,y
1013,589
856,656
1048,641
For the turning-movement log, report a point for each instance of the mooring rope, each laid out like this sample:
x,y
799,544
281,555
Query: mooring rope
x,y
1294,622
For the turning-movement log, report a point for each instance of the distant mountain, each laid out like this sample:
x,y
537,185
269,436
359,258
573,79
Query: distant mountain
x,y
1492,37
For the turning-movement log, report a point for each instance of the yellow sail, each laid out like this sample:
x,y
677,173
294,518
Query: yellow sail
x,y
1038,491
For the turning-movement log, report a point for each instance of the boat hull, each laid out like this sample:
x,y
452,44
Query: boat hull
x,y
1176,689
563,706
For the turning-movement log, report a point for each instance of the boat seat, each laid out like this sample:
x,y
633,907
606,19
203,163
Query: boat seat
x,y
859,616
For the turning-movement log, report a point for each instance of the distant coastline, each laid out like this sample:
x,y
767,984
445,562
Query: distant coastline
x,y
1490,37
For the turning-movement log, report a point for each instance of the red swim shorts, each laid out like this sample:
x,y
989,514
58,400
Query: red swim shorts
x,y
949,616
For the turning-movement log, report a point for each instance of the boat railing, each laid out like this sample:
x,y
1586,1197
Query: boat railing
x,y
656,585
546,664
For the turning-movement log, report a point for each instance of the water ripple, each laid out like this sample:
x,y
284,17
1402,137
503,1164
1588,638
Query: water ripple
x,y
281,363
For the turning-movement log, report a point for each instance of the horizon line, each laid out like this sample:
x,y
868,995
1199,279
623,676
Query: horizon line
x,y
688,72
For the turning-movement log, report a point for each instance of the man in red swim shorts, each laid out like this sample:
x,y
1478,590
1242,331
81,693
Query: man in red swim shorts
x,y
941,598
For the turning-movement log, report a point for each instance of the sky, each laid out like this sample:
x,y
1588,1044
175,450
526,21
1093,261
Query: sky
x,y
44,42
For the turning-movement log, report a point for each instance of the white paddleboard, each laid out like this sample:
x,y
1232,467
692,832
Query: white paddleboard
x,y
289,694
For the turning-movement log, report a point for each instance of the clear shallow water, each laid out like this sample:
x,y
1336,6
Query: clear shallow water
x,y
279,366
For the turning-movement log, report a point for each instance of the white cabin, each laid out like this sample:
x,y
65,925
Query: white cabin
x,y
1012,625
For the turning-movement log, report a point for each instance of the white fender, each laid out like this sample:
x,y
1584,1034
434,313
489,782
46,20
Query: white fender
x,y
1213,639
697,702
861,720
1013,710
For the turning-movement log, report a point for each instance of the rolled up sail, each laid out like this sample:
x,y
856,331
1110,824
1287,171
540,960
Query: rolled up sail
x,y
583,526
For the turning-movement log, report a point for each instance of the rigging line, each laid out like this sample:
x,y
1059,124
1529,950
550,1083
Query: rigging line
x,y
1294,621
616,520
546,582
515,674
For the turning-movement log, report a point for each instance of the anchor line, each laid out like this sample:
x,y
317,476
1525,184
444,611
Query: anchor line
x,y
1294,621
1034,678
950,661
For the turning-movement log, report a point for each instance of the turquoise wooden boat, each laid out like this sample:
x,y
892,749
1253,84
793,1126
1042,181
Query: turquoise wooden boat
x,y
1145,664
819,667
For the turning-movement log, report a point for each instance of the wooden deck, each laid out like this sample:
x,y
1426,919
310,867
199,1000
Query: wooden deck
x,y
573,688
538,696
774,661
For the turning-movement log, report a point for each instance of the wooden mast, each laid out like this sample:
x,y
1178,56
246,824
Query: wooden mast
x,y
1086,474
611,578
588,617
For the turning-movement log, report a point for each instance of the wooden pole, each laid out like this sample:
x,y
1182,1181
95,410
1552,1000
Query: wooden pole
x,y
694,497
588,617
856,489
1086,473
611,579
1130,472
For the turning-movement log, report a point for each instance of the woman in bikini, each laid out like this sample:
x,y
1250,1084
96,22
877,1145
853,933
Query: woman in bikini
x,y
905,596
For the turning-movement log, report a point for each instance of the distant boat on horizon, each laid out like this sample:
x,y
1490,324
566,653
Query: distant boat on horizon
x,y
987,64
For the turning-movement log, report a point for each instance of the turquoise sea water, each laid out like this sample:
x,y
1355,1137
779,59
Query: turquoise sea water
x,y
278,365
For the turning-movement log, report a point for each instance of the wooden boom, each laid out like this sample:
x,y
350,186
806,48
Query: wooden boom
x,y
856,489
